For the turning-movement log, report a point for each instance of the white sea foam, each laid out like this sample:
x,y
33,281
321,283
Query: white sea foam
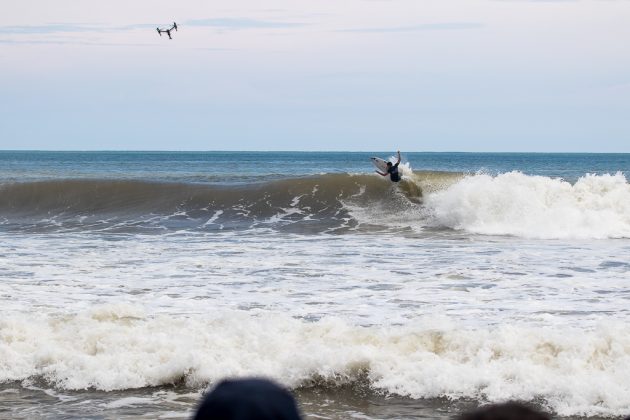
x,y
596,206
575,371
458,315
214,217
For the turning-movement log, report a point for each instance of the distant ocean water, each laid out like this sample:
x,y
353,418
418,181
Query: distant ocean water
x,y
130,281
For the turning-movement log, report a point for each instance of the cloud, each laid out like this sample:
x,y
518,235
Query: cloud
x,y
53,34
241,23
59,28
46,29
60,42
447,26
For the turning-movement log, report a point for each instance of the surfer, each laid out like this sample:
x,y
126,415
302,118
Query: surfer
x,y
392,170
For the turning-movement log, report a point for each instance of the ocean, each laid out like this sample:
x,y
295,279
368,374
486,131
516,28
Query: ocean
x,y
130,282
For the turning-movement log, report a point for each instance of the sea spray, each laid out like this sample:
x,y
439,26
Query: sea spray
x,y
596,206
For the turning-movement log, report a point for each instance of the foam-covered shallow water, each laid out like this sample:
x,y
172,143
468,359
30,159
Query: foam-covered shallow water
x,y
123,297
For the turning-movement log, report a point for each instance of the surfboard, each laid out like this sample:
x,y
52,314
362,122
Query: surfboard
x,y
381,165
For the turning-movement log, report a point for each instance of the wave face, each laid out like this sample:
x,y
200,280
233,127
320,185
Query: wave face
x,y
138,205
595,206
114,347
315,203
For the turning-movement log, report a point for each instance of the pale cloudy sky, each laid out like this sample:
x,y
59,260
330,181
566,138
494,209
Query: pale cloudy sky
x,y
415,75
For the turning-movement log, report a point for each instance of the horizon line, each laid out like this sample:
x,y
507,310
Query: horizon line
x,y
291,151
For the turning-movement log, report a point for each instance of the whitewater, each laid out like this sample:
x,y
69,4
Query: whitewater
x,y
127,293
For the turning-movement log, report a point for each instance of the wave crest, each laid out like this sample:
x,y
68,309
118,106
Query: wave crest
x,y
596,206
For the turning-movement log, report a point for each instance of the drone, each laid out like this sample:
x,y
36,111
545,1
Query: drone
x,y
168,31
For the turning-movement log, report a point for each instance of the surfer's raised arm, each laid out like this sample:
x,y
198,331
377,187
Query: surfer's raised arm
x,y
398,158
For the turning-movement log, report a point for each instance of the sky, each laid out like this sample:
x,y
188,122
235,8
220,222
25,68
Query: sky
x,y
351,75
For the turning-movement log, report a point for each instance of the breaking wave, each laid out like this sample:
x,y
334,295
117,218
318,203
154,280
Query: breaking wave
x,y
595,206
571,371
303,204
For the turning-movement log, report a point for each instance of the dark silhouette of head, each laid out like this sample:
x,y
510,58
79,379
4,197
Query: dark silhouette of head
x,y
248,399
389,164
506,411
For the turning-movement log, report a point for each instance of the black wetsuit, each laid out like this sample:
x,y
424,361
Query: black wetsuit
x,y
393,173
